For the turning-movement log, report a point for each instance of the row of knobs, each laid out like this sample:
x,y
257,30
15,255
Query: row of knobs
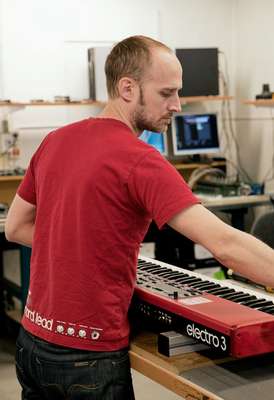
x,y
81,333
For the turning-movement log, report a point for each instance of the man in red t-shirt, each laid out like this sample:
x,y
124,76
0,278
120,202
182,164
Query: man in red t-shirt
x,y
90,192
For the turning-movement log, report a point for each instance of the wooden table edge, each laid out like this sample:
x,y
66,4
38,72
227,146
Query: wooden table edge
x,y
177,384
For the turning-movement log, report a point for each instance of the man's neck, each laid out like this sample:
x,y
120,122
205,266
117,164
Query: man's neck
x,y
115,110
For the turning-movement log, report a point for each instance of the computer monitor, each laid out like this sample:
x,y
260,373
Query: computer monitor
x,y
156,139
200,71
194,134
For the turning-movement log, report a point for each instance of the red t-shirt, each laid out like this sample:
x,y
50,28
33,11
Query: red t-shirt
x,y
96,188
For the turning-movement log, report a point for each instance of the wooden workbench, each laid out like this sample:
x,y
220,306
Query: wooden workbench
x,y
204,376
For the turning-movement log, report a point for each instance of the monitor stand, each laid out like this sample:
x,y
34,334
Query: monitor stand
x,y
197,159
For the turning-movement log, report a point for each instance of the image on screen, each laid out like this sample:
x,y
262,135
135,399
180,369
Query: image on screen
x,y
155,139
194,134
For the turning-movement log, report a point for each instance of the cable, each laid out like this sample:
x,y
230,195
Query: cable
x,y
232,137
270,171
224,76
241,175
202,171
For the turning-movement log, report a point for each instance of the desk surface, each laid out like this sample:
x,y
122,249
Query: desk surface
x,y
230,202
204,376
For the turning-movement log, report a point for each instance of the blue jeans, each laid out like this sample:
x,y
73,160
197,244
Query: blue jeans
x,y
50,372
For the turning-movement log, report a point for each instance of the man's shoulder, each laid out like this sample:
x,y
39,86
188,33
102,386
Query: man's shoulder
x,y
72,127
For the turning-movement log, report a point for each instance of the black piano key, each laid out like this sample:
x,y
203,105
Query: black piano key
x,y
268,309
168,273
214,286
176,275
220,291
204,285
156,271
237,297
161,269
147,268
172,275
247,299
266,303
226,294
254,303
188,280
149,265
270,312
145,263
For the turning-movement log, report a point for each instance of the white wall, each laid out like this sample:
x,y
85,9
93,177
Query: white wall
x,y
1,50
255,66
44,48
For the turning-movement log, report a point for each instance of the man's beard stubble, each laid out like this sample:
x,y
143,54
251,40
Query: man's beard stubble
x,y
140,120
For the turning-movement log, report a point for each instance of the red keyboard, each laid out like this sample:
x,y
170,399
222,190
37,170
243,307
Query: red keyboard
x,y
230,319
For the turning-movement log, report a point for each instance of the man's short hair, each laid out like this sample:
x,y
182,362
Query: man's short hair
x,y
129,58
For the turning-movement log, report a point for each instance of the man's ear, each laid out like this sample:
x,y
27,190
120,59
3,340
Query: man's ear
x,y
127,88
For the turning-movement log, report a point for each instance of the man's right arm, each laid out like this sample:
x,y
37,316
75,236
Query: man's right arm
x,y
233,248
19,225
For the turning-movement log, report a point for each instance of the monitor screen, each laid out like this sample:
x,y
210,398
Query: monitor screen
x,y
200,71
194,134
155,139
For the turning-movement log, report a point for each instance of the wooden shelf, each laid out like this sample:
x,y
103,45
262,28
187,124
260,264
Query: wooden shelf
x,y
260,102
197,99
181,166
53,103
6,178
8,187
183,100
